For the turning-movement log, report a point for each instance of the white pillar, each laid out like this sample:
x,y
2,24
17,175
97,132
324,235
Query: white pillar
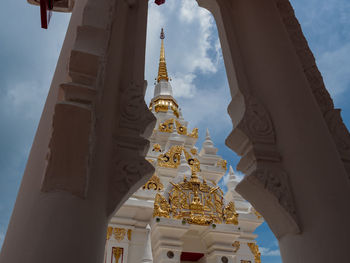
x,y
295,173
64,203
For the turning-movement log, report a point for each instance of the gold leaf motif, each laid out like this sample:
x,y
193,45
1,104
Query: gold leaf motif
x,y
157,148
194,133
170,159
193,151
153,184
117,252
119,233
167,126
180,128
254,248
109,232
236,245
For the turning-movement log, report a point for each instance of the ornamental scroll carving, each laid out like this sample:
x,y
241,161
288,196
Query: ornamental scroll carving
x,y
332,116
130,166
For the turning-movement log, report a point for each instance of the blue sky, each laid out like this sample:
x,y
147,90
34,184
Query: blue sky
x,y
28,56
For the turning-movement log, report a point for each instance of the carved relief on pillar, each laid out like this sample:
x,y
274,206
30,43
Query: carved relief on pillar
x,y
131,170
332,116
74,116
261,162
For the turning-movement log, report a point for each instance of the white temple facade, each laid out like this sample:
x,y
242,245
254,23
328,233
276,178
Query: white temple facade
x,y
181,214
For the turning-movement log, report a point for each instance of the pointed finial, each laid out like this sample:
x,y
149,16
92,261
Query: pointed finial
x,y
162,70
207,135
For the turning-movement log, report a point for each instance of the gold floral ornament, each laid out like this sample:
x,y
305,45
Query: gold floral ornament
x,y
196,202
117,252
167,126
222,163
236,246
171,159
180,128
254,248
153,184
194,133
156,148
119,233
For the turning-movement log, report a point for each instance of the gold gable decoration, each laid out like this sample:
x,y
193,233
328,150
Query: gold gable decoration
x,y
195,202
171,159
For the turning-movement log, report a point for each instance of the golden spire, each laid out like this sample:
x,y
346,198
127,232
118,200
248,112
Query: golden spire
x,y
162,71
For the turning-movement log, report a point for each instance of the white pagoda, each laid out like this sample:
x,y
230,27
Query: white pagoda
x,y
181,214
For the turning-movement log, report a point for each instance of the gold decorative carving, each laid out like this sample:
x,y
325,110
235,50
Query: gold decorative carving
x,y
117,252
161,207
194,133
236,246
180,128
193,162
194,151
129,234
119,233
157,148
109,232
222,163
230,214
170,159
254,248
153,184
258,215
160,107
175,111
167,126
196,202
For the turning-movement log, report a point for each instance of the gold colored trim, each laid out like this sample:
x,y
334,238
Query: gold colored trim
x,y
236,245
109,232
117,252
254,248
129,234
223,164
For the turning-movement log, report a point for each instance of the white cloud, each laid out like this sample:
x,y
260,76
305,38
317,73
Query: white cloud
x,y
184,86
269,252
26,99
191,44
